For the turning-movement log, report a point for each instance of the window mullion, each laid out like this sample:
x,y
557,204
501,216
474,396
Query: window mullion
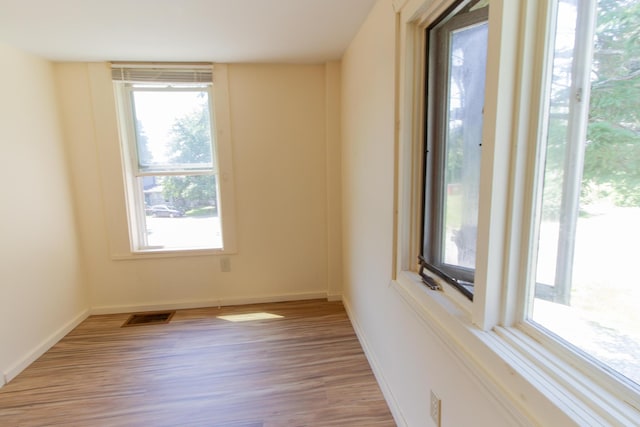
x,y
497,151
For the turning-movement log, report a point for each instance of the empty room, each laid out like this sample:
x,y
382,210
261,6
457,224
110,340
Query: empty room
x,y
265,213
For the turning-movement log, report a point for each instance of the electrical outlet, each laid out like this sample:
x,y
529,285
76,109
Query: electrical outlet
x,y
225,264
436,404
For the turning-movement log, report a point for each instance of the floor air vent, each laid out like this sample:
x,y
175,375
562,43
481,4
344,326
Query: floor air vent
x,y
149,318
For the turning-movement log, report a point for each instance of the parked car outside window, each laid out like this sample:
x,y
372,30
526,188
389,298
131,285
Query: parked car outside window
x,y
166,211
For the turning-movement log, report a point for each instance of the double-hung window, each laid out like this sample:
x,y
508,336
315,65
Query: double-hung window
x,y
170,160
456,63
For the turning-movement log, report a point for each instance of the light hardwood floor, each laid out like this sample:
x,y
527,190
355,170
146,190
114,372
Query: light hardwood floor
x,y
305,368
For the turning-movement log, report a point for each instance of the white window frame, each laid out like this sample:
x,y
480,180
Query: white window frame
x,y
221,141
490,335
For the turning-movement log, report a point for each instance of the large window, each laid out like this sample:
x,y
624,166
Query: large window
x,y
588,216
169,156
529,196
456,65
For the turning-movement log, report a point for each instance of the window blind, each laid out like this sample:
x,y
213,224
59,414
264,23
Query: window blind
x,y
161,73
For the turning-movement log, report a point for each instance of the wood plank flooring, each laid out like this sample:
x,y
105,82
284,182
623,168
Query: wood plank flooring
x,y
305,368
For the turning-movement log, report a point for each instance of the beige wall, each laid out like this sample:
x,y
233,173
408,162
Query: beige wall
x,y
409,359
279,142
334,179
42,284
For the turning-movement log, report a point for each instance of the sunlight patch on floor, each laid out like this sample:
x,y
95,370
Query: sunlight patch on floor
x,y
247,317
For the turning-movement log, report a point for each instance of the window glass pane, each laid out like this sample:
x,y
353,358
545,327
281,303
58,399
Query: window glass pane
x,y
467,64
173,129
587,291
181,212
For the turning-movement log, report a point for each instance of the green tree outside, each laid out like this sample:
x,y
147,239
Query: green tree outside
x,y
191,146
611,167
612,158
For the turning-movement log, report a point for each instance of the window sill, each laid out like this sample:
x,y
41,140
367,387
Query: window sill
x,y
535,386
169,253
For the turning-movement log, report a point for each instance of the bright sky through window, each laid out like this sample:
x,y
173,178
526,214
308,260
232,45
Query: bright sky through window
x,y
158,111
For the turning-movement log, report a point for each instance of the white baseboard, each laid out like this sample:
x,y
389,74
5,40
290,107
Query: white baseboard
x,y
375,367
206,303
41,348
334,297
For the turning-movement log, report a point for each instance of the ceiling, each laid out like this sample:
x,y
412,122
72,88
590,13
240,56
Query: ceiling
x,y
303,31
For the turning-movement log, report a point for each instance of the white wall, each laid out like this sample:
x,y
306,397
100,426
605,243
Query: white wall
x,y
42,283
408,357
279,142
